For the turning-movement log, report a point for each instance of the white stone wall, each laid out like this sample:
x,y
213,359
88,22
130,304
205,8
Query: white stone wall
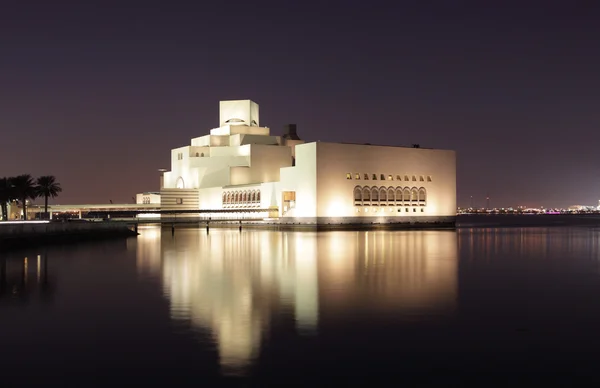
x,y
265,164
302,179
335,192
147,198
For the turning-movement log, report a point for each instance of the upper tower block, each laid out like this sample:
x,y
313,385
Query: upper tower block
x,y
238,112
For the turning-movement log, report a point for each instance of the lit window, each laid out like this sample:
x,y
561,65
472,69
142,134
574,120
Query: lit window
x,y
421,179
357,176
348,176
390,178
374,177
366,177
179,201
414,178
382,177
428,178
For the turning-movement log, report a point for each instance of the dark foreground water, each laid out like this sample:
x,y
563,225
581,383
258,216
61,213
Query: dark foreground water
x,y
500,307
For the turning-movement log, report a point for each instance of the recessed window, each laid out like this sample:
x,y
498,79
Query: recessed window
x,y
348,175
358,210
382,177
406,210
179,201
399,210
428,178
406,178
414,210
357,176
197,154
374,177
366,210
414,178
422,210
390,178
421,179
398,178
366,177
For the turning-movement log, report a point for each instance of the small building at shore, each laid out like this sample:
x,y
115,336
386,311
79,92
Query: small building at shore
x,y
243,167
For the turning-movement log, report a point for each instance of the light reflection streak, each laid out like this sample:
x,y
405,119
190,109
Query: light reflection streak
x,y
233,285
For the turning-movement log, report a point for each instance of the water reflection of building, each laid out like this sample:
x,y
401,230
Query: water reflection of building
x,y
412,274
233,284
23,278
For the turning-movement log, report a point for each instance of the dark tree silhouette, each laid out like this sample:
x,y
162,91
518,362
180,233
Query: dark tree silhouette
x,y
47,187
6,195
24,189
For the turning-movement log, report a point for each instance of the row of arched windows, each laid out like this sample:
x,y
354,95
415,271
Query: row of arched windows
x,y
383,196
382,177
238,197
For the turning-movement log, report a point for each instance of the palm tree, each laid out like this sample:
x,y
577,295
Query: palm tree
x,y
6,195
24,189
47,187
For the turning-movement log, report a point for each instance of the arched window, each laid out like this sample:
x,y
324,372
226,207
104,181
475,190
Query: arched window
x,y
229,198
244,197
258,196
414,195
224,198
236,197
197,154
390,194
180,184
357,195
366,194
374,194
406,195
382,177
202,155
383,196
253,196
422,196
398,194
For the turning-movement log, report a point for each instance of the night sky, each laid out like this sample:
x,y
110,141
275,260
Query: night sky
x,y
98,92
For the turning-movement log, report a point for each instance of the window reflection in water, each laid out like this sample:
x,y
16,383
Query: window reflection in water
x,y
233,284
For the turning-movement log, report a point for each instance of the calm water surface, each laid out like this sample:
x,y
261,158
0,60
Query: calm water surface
x,y
251,308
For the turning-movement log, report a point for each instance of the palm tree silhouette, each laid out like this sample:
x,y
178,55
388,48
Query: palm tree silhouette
x,y
24,189
47,187
6,195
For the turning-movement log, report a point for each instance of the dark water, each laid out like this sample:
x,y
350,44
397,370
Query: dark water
x,y
471,307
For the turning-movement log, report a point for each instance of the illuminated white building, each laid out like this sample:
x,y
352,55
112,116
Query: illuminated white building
x,y
242,166
147,198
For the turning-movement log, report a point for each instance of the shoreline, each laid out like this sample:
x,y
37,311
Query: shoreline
x,y
25,235
16,235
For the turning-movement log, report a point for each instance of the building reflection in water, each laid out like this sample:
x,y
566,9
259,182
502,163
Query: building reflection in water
x,y
232,283
17,280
